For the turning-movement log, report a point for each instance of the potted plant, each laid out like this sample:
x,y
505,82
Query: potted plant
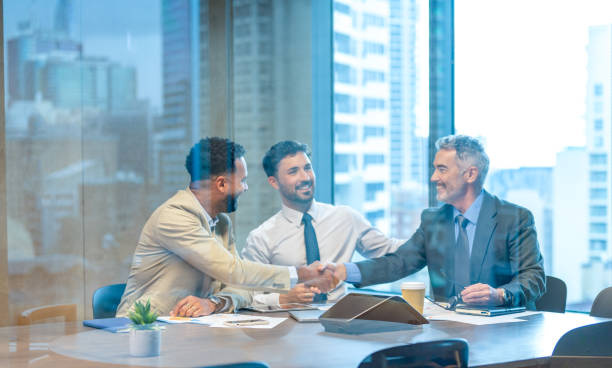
x,y
145,334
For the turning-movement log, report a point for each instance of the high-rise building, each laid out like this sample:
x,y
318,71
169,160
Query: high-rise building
x,y
570,220
362,62
599,135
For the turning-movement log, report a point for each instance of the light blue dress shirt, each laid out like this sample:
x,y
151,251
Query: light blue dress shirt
x,y
353,275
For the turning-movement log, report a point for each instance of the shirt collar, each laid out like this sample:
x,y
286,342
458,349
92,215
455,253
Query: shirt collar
x,y
472,213
295,217
212,222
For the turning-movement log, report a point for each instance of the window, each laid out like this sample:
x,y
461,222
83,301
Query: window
x,y
373,160
372,20
598,228
372,132
598,176
373,104
342,8
345,73
373,48
598,245
345,133
598,193
344,163
373,76
103,99
389,108
598,210
344,44
598,124
598,89
569,203
345,104
373,189
598,159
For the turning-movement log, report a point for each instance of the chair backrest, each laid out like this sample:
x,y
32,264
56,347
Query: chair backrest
x,y
586,342
241,365
602,306
106,300
555,297
38,314
446,353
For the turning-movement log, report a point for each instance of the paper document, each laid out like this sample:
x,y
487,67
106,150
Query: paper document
x,y
228,320
436,313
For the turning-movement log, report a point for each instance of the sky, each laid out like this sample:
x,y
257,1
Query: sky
x,y
521,75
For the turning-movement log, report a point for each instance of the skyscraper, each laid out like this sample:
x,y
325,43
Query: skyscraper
x,y
599,136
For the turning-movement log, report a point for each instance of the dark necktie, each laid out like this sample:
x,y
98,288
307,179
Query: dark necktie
x,y
312,249
462,256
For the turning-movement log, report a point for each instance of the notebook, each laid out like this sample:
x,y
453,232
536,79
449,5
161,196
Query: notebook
x,y
487,311
108,324
306,315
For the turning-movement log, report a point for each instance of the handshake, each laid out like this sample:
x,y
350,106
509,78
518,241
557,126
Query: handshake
x,y
321,277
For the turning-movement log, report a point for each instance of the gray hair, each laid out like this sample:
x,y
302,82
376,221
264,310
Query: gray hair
x,y
469,151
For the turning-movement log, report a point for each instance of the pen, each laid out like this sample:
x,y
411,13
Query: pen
x,y
246,322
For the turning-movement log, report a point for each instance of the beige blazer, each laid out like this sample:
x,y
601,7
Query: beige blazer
x,y
177,256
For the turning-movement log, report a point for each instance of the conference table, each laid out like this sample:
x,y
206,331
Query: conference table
x,y
290,344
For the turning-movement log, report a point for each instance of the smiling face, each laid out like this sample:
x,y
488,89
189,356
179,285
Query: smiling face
x,y
453,182
295,180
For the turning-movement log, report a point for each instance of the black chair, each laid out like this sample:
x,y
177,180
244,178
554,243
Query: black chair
x,y
555,296
586,346
444,353
106,300
602,306
241,365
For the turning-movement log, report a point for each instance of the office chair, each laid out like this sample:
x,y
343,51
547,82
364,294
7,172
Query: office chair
x,y
555,296
33,315
446,353
586,346
241,365
106,299
602,306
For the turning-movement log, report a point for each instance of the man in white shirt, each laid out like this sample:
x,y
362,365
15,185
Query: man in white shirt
x,y
305,230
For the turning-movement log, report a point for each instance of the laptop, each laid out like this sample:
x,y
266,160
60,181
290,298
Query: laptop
x,y
279,308
306,315
487,311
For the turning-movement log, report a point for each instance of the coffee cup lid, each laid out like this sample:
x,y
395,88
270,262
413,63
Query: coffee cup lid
x,y
413,285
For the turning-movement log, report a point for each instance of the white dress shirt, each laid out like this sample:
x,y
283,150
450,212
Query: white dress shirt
x,y
340,231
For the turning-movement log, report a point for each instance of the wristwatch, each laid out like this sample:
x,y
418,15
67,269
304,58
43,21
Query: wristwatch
x,y
507,297
216,301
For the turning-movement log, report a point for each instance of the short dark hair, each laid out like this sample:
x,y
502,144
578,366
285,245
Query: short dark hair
x,y
212,156
279,151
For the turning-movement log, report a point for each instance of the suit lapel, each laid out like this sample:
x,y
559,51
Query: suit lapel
x,y
484,233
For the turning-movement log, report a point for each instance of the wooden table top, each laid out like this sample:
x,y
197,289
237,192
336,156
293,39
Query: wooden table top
x,y
290,344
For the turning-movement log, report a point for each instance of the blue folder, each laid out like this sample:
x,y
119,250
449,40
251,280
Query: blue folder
x,y
108,324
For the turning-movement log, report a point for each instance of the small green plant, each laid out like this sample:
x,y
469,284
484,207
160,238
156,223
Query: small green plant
x,y
142,317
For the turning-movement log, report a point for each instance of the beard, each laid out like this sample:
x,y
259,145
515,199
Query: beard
x,y
231,203
294,197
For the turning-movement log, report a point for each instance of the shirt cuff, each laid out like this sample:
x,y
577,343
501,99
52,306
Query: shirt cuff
x,y
266,299
226,306
293,276
353,275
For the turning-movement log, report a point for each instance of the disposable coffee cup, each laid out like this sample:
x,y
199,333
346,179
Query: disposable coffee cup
x,y
414,294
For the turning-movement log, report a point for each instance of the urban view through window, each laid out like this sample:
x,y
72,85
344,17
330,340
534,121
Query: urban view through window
x,y
103,101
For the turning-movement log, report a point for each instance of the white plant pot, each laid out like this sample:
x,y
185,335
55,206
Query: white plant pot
x,y
145,343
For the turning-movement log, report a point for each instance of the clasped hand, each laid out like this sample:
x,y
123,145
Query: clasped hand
x,y
319,277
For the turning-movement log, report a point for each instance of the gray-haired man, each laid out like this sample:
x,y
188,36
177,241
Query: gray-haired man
x,y
475,245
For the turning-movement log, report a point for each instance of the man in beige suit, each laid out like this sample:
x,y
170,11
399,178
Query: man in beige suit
x,y
186,263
